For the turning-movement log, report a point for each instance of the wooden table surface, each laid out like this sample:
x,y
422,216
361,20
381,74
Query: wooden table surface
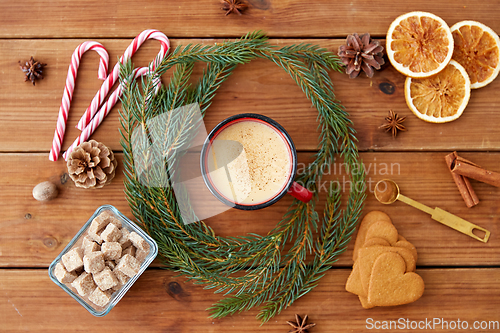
x,y
462,276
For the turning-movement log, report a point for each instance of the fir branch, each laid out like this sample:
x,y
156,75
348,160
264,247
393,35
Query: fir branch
x,y
287,273
194,250
237,52
324,102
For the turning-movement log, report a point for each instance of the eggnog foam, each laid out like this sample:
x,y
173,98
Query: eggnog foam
x,y
249,162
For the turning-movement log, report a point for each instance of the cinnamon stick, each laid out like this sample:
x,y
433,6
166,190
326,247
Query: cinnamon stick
x,y
463,184
473,171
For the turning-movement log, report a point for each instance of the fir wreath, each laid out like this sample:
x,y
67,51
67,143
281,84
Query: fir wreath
x,y
272,277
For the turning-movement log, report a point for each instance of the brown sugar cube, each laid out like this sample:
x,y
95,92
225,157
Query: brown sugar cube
x,y
140,255
99,297
87,241
94,262
94,247
128,265
63,275
138,241
116,288
111,250
107,217
98,224
111,233
73,259
124,240
113,219
129,250
95,236
111,264
105,279
120,276
89,245
84,284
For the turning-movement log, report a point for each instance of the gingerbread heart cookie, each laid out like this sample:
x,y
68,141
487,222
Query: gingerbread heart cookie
x,y
368,256
384,230
376,242
353,284
389,283
367,221
364,302
378,238
409,246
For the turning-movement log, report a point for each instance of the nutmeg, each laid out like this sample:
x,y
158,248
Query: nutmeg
x,y
45,191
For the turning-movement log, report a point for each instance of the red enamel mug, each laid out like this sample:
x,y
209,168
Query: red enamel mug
x,y
286,186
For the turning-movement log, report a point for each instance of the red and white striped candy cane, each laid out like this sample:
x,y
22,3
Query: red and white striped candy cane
x,y
113,77
70,87
105,109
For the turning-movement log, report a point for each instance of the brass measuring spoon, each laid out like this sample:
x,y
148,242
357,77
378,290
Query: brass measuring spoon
x,y
387,192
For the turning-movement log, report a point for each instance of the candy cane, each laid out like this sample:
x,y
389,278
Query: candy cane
x,y
113,77
70,87
106,108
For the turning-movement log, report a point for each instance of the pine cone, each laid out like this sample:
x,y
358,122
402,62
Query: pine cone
x,y
361,53
92,164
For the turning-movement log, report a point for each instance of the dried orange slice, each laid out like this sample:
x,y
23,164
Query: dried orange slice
x,y
477,48
440,98
419,44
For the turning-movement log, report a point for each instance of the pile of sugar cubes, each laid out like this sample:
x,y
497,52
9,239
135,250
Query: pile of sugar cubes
x,y
108,256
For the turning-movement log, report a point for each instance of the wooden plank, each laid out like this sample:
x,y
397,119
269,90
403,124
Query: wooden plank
x,y
160,302
184,18
33,233
28,114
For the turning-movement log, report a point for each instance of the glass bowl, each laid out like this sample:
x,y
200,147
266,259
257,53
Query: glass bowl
x,y
96,310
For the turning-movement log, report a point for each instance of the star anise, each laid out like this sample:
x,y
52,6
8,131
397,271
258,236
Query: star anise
x,y
300,325
233,6
33,70
361,53
394,123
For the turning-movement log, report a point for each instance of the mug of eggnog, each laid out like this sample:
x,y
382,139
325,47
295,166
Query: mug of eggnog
x,y
248,161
